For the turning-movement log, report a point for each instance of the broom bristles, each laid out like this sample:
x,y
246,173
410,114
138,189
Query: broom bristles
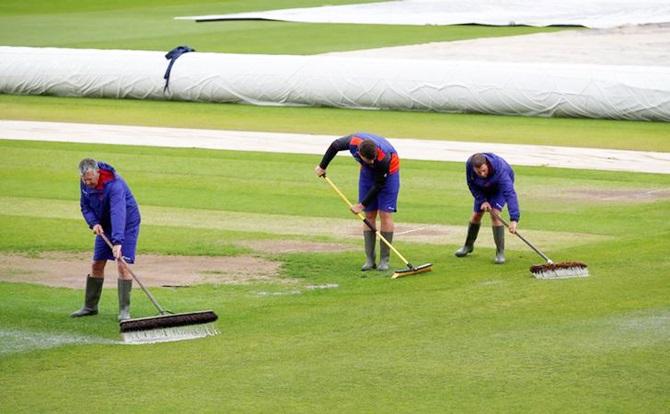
x,y
178,333
559,270
167,321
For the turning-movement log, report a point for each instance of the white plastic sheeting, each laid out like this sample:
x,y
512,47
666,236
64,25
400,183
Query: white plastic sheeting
x,y
645,45
546,89
589,13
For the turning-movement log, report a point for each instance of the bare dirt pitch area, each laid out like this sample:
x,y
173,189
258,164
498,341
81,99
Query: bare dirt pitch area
x,y
70,269
64,269
619,196
594,195
61,269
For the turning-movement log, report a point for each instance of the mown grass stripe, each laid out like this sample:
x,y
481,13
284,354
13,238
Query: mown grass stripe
x,y
337,228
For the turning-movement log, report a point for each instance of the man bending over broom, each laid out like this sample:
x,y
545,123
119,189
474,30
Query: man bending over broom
x,y
491,182
109,208
378,187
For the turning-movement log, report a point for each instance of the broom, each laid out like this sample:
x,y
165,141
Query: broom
x,y
411,270
551,270
167,326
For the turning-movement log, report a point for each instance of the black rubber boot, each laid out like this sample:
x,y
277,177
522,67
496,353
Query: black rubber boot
x,y
499,238
93,292
125,287
370,238
469,246
385,251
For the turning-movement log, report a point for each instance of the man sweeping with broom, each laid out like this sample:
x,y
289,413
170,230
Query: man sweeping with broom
x,y
378,187
491,182
109,208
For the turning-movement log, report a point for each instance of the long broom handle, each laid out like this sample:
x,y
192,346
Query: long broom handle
x,y
544,256
366,221
139,282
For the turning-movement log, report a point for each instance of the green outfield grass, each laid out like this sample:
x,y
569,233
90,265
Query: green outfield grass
x,y
150,25
468,337
597,133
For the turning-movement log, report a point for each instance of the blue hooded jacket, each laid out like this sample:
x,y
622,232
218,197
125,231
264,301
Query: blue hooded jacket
x,y
500,180
113,207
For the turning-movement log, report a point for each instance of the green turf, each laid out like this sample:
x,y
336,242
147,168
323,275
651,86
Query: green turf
x,y
149,25
468,337
633,135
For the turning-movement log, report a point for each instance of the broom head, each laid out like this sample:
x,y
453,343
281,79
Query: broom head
x,y
168,327
562,270
412,270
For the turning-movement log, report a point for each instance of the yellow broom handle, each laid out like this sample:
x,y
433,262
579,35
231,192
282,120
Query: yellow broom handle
x,y
365,220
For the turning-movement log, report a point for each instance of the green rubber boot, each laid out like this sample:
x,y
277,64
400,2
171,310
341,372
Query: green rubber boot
x,y
469,246
385,251
124,287
370,241
499,238
92,297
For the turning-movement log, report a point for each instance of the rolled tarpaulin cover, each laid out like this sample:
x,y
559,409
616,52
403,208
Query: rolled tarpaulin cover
x,y
533,89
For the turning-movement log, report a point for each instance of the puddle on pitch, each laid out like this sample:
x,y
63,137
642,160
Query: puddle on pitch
x,y
15,341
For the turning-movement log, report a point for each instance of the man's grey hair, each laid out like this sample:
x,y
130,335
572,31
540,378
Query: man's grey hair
x,y
87,164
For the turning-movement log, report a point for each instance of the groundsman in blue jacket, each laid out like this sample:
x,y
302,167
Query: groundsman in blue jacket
x,y
109,208
491,182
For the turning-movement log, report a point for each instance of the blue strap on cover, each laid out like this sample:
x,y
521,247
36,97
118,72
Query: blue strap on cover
x,y
172,56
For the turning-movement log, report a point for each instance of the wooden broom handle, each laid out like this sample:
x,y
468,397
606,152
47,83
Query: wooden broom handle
x,y
139,282
544,256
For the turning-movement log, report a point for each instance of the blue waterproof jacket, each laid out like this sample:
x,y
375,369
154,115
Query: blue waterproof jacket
x,y
113,207
500,180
